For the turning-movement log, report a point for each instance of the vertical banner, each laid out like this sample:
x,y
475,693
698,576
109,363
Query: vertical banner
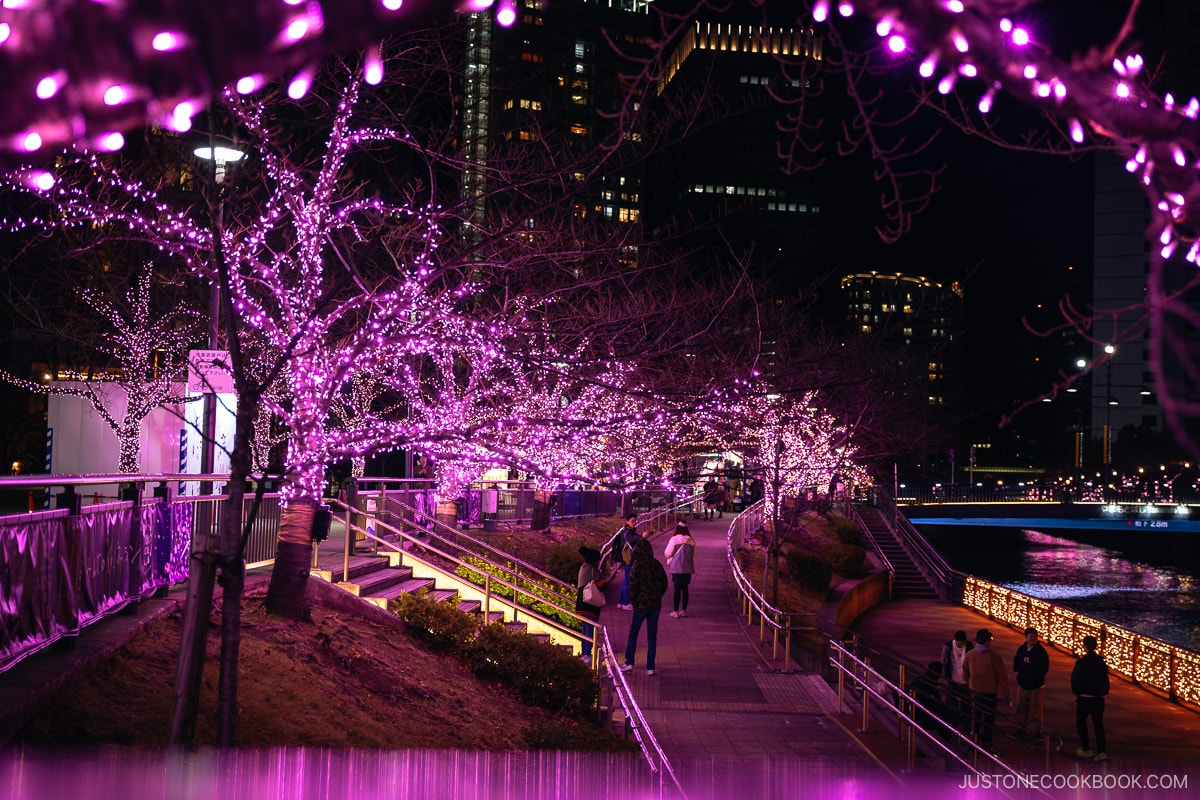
x,y
49,464
183,447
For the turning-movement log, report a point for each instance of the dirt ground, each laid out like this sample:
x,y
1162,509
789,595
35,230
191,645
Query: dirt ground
x,y
339,680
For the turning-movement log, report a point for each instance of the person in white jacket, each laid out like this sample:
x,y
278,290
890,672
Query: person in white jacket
x,y
681,563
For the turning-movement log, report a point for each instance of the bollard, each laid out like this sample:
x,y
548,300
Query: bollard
x,y
31,501
95,498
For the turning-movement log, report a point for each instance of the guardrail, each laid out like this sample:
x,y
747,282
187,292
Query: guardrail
x,y
926,557
635,722
513,611
1150,663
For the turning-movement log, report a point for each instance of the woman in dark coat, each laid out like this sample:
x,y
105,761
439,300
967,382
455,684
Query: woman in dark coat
x,y
589,571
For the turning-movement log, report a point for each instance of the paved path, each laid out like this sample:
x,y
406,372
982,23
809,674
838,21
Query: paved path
x,y
730,722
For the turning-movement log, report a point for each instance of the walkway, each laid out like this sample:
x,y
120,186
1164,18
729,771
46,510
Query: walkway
x,y
731,724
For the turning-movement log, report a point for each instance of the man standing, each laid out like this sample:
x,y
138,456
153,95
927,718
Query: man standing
x,y
621,547
648,585
1031,663
988,680
1089,682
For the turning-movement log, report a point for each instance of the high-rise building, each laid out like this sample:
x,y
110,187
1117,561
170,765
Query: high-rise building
x,y
734,88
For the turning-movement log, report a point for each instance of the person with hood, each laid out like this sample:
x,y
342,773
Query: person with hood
x,y
647,585
1089,684
1030,664
681,560
987,678
958,696
589,571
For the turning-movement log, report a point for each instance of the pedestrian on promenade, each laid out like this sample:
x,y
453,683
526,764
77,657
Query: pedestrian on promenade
x,y
648,584
1089,682
988,681
1031,663
681,563
722,497
958,696
925,692
621,547
589,571
710,497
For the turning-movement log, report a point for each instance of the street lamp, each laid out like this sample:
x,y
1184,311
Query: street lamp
x,y
220,155
1109,350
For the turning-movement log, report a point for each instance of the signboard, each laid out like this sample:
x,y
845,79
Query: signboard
x,y
208,371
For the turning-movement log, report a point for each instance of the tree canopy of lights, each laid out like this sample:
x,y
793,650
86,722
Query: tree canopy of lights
x,y
149,354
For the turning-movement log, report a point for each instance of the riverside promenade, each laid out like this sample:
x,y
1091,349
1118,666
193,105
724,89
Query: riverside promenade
x,y
734,725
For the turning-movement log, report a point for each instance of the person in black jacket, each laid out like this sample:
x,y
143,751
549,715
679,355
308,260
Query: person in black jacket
x,y
647,585
1031,663
1089,682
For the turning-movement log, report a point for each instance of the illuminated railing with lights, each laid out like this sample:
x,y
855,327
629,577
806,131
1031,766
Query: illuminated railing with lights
x,y
1172,670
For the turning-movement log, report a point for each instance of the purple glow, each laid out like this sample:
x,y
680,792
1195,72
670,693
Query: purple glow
x,y
392,5
5,32
960,43
985,102
884,26
115,95
967,70
955,6
110,142
31,141
166,41
1179,157
478,5
845,8
1076,131
300,84
1030,72
506,15
821,11
1122,90
897,44
946,84
48,86
249,84
928,66
1020,37
296,30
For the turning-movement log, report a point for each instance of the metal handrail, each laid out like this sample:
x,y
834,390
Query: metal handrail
x,y
917,546
875,686
652,751
489,579
644,521
436,525
887,563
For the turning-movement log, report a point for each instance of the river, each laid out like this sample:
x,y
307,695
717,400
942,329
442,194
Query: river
x,y
1146,595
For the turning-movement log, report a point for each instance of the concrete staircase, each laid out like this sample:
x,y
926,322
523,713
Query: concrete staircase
x,y
909,581
380,580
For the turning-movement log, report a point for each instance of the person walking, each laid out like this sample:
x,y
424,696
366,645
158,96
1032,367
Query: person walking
x,y
722,497
1089,682
710,497
988,681
1031,663
958,696
589,571
648,584
621,547
681,563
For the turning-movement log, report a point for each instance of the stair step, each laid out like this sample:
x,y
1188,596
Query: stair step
x,y
515,627
443,595
378,582
470,606
414,585
359,566
544,638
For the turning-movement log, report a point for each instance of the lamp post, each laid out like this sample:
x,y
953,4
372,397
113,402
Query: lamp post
x,y
1109,402
220,156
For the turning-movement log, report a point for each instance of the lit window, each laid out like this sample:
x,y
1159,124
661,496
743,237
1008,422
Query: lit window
x,y
579,130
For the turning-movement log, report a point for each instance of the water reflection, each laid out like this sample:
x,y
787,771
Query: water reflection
x,y
1153,599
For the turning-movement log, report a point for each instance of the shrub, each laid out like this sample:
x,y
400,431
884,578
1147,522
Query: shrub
x,y
541,674
846,530
846,559
440,625
563,560
810,571
529,591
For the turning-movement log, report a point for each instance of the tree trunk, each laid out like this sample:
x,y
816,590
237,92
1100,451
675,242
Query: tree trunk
x,y
202,571
293,560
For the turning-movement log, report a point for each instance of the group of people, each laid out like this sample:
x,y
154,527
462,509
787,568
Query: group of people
x,y
978,679
716,497
643,585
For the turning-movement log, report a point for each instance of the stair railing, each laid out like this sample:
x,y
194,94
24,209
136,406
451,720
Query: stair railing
x,y
646,521
923,554
636,723
870,537
487,594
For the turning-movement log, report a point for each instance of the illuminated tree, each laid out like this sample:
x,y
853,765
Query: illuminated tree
x,y
148,353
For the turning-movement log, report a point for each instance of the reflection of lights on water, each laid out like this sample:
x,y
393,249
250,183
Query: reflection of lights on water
x,y
1060,591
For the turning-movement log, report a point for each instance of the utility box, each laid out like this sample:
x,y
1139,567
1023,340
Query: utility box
x,y
490,502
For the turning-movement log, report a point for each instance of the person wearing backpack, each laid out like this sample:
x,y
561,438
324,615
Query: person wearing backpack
x,y
621,547
649,586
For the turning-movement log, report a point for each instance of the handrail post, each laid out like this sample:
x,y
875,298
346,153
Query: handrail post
x,y
866,699
787,647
